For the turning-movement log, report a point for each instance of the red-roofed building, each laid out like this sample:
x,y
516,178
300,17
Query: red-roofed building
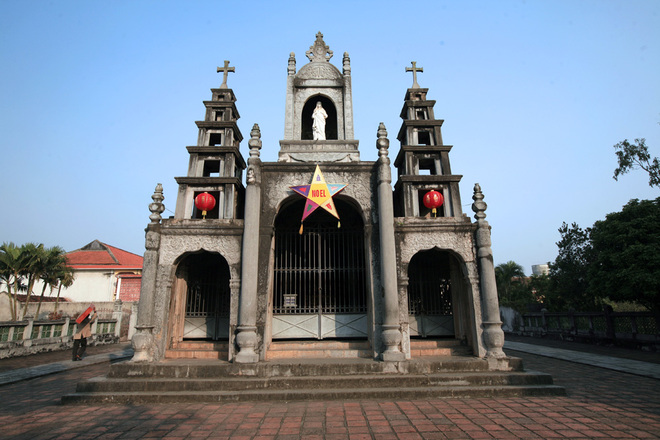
x,y
104,273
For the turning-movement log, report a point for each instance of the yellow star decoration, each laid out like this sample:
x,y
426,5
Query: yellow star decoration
x,y
319,194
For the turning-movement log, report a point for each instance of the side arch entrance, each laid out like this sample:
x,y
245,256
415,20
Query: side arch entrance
x,y
319,276
201,299
432,279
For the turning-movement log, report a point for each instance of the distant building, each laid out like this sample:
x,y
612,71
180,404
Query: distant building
x,y
540,269
103,273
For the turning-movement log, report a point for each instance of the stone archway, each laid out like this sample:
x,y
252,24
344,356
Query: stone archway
x,y
201,299
319,276
330,122
432,281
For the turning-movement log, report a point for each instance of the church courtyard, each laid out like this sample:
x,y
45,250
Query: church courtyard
x,y
600,404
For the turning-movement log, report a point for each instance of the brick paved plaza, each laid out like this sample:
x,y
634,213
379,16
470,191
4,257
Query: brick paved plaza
x,y
601,404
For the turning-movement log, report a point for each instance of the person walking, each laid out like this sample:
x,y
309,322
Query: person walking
x,y
83,331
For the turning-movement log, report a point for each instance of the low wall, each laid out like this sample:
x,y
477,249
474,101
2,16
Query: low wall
x,y
116,322
636,329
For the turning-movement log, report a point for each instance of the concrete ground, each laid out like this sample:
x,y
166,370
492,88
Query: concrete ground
x,y
601,403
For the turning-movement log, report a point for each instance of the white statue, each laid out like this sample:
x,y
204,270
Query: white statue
x,y
319,116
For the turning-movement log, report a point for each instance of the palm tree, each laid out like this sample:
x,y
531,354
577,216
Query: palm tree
x,y
53,262
12,268
65,278
35,257
505,275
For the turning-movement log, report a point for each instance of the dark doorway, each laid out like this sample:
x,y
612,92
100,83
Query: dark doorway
x,y
430,306
208,295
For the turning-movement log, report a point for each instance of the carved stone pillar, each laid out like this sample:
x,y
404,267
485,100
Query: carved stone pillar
x,y
492,325
388,272
143,340
246,338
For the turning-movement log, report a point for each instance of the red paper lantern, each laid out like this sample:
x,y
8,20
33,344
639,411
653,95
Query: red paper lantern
x,y
204,202
432,200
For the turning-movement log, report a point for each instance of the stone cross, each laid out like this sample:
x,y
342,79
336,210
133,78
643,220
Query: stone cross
x,y
225,72
414,69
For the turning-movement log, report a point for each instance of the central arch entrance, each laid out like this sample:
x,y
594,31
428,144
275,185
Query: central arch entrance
x,y
319,284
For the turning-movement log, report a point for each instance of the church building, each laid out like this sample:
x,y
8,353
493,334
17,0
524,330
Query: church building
x,y
319,254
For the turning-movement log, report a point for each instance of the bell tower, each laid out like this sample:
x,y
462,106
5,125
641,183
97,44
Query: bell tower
x,y
318,125
423,160
216,164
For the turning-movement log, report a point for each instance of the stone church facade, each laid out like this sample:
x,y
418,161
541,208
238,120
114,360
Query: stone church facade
x,y
370,271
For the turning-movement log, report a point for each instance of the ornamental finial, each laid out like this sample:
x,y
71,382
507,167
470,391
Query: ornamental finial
x,y
479,206
382,143
319,51
157,207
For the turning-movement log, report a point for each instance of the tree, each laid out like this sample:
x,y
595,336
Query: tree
x,y
513,287
65,279
568,274
626,255
53,263
13,265
34,256
633,156
506,274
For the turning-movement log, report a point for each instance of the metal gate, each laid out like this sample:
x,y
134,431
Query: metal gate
x,y
207,303
430,311
319,288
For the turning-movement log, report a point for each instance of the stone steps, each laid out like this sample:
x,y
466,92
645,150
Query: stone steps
x,y
309,379
102,384
318,350
438,347
199,350
323,394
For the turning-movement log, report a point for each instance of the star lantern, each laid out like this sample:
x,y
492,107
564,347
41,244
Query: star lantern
x,y
432,200
204,202
319,194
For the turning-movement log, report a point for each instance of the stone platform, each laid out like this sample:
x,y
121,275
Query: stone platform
x,y
203,380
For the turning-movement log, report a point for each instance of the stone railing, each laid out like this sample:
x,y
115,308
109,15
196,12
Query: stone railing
x,y
638,327
19,338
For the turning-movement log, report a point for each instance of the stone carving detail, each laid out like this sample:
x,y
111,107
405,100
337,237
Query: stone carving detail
x,y
291,68
318,71
319,51
157,206
346,64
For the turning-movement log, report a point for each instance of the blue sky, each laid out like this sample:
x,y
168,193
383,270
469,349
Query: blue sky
x,y
98,102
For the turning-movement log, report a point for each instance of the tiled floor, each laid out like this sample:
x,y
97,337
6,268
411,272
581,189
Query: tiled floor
x,y
601,404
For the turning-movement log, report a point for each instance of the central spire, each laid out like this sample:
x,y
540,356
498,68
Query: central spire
x,y
319,51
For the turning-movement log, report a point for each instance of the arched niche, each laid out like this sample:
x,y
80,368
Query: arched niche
x,y
330,122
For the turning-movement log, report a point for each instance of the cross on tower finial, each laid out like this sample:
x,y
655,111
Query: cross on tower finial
x,y
225,72
414,69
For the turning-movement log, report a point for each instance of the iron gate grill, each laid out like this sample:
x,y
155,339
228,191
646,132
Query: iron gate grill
x,y
321,271
207,298
429,296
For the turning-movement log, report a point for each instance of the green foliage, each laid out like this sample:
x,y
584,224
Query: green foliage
x,y
626,255
21,267
633,156
568,274
513,288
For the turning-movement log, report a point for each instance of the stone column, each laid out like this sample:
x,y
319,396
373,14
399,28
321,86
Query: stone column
x,y
143,340
388,271
348,98
493,335
246,338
